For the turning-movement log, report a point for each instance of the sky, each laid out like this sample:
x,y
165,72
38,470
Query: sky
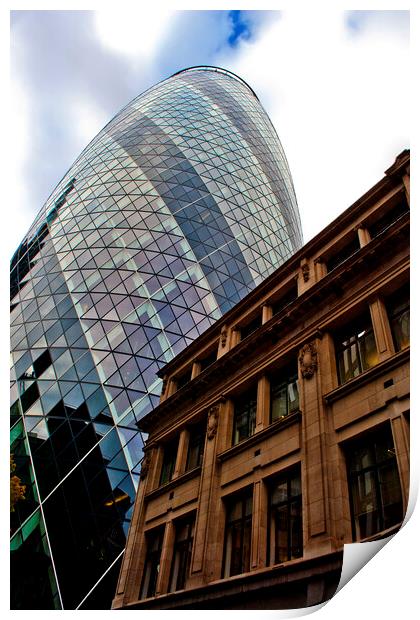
x,y
326,77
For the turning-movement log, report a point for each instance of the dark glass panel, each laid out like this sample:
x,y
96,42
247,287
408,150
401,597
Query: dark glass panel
x,y
343,254
355,349
152,564
375,490
245,408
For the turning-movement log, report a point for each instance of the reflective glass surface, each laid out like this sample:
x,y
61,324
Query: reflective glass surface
x,y
178,208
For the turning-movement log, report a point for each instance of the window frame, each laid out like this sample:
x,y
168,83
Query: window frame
x,y
398,310
371,440
272,526
182,553
245,404
245,532
170,452
290,379
152,561
355,334
197,439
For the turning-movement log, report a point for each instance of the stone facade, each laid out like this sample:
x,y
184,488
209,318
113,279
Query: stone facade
x,y
291,437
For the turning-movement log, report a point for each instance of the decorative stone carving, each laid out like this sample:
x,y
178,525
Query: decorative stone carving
x,y
305,272
223,335
212,421
145,465
308,360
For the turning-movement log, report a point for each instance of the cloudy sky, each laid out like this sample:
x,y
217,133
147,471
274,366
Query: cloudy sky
x,y
326,78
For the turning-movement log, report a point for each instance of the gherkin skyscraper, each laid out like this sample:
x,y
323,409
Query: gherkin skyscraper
x,y
178,208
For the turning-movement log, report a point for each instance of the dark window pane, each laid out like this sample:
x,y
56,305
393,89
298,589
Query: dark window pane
x,y
181,561
29,396
356,349
196,446
286,299
284,394
237,551
169,458
375,491
388,219
245,408
209,359
285,519
251,327
183,379
343,254
398,307
152,563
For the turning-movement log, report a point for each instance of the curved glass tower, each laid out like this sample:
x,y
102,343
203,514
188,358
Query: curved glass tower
x,y
178,208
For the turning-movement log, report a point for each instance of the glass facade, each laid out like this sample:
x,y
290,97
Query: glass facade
x,y
178,208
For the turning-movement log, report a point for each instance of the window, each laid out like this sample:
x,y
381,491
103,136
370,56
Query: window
x,y
245,409
208,360
399,317
356,350
389,218
343,254
374,484
169,459
251,327
181,561
183,379
286,299
285,518
196,446
154,541
284,394
238,534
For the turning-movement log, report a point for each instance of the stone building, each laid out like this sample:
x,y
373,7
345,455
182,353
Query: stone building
x,y
283,431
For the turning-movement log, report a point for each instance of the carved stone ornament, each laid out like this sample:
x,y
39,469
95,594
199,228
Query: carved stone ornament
x,y
223,335
308,360
145,465
305,272
212,421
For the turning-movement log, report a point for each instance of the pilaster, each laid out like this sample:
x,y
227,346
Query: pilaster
x,y
162,584
381,328
204,559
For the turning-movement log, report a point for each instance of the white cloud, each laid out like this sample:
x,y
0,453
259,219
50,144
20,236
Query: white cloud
x,y
334,97
88,120
133,32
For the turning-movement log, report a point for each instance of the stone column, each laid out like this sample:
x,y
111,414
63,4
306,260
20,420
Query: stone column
x,y
196,369
381,329
235,337
162,584
263,404
181,455
267,313
317,534
205,556
401,436
406,181
320,269
223,342
364,235
306,276
259,526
